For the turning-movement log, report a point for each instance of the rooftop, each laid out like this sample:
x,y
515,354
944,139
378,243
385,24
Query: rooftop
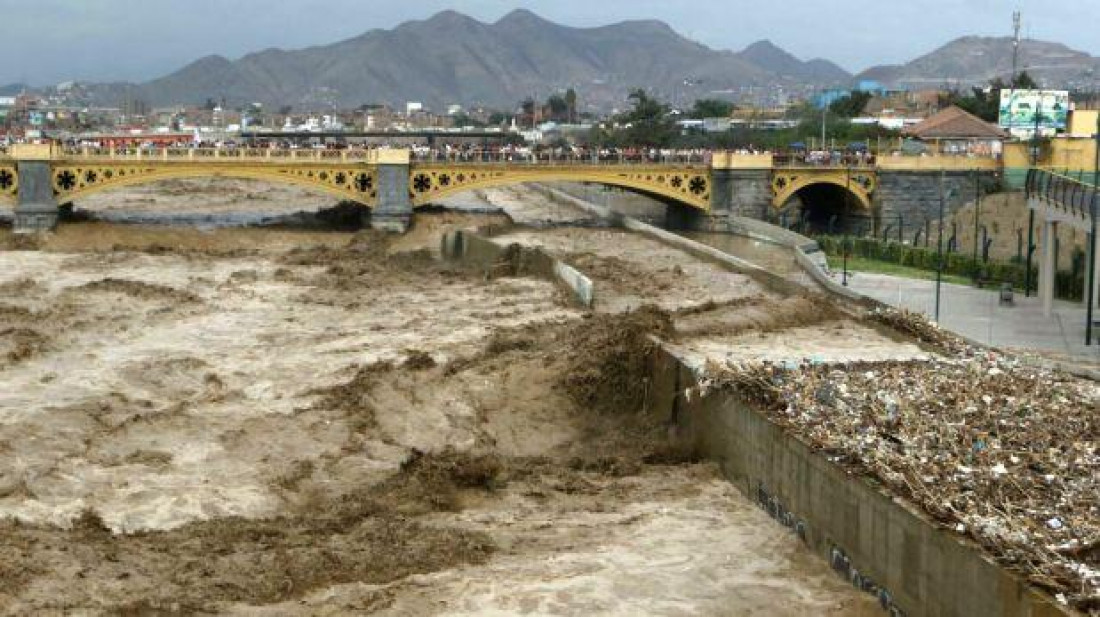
x,y
955,123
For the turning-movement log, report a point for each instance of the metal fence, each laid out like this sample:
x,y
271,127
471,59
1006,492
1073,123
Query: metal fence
x,y
1073,196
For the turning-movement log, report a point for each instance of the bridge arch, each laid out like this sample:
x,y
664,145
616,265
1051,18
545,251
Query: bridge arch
x,y
821,197
72,181
690,186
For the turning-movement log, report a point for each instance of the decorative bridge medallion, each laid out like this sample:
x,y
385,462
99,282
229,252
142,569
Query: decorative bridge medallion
x,y
9,182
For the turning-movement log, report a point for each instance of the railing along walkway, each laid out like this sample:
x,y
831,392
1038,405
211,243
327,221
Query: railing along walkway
x,y
258,155
1073,197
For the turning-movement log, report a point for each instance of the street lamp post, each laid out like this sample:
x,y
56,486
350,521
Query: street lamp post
x,y
977,210
846,250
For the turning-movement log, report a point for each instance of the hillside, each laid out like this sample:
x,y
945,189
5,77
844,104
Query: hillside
x,y
774,59
975,60
452,58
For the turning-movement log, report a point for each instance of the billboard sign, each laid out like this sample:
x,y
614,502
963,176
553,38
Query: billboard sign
x,y
1021,109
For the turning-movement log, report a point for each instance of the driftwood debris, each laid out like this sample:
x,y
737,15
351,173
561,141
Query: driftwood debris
x,y
989,446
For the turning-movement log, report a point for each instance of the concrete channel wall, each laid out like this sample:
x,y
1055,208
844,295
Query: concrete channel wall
x,y
881,544
806,251
695,249
496,258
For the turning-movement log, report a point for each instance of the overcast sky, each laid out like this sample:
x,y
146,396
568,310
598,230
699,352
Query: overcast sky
x,y
47,41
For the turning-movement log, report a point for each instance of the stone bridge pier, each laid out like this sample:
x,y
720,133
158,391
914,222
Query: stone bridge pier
x,y
394,209
35,207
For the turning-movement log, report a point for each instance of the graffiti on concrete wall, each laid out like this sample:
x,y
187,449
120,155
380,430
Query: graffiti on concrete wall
x,y
838,559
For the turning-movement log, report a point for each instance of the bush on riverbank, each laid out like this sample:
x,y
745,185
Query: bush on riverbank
x,y
1068,285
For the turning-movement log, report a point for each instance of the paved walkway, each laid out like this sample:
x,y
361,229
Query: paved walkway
x,y
977,314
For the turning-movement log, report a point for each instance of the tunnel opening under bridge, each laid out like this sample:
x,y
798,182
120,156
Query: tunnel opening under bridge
x,y
826,208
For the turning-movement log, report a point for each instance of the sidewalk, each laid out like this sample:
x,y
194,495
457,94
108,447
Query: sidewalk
x,y
977,314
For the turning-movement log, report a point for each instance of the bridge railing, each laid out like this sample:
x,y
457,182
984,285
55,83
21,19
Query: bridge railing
x,y
102,154
474,157
819,165
1074,197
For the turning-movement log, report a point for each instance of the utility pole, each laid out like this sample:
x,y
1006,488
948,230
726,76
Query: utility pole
x,y
1036,134
824,114
939,248
1015,46
1090,292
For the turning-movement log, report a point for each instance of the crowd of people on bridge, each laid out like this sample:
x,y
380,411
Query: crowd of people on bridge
x,y
550,154
486,151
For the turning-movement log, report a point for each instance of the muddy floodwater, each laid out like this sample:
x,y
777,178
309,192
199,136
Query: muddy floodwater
x,y
289,422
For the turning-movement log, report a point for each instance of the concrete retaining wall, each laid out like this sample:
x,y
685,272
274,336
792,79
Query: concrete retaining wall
x,y
881,544
498,259
633,204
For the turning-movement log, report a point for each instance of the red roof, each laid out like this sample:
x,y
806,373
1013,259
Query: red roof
x,y
955,123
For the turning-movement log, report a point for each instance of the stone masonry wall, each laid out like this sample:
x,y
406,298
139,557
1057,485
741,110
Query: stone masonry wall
x,y
916,195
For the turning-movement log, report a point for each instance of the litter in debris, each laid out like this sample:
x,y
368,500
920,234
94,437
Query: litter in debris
x,y
986,444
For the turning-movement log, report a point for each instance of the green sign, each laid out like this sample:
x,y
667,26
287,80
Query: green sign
x,y
1024,110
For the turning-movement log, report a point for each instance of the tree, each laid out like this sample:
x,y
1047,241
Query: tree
x,y
464,120
571,103
711,108
648,124
985,103
558,107
497,118
851,105
528,107
1023,81
210,104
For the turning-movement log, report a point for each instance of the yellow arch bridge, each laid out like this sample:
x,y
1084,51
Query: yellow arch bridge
x,y
35,178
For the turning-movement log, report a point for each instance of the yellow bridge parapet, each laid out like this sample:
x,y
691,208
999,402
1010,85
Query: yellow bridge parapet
x,y
937,163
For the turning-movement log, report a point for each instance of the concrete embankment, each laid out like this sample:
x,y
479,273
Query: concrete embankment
x,y
880,543
472,248
805,251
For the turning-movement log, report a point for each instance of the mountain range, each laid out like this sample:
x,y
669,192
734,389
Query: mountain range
x,y
452,58
973,60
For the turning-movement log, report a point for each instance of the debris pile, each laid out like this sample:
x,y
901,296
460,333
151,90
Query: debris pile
x,y
1004,453
609,361
916,326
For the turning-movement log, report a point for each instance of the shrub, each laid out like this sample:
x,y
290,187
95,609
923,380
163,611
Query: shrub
x,y
1069,285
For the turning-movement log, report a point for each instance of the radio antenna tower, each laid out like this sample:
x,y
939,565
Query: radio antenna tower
x,y
1015,46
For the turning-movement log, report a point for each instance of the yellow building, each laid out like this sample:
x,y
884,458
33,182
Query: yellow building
x,y
1073,152
1076,150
